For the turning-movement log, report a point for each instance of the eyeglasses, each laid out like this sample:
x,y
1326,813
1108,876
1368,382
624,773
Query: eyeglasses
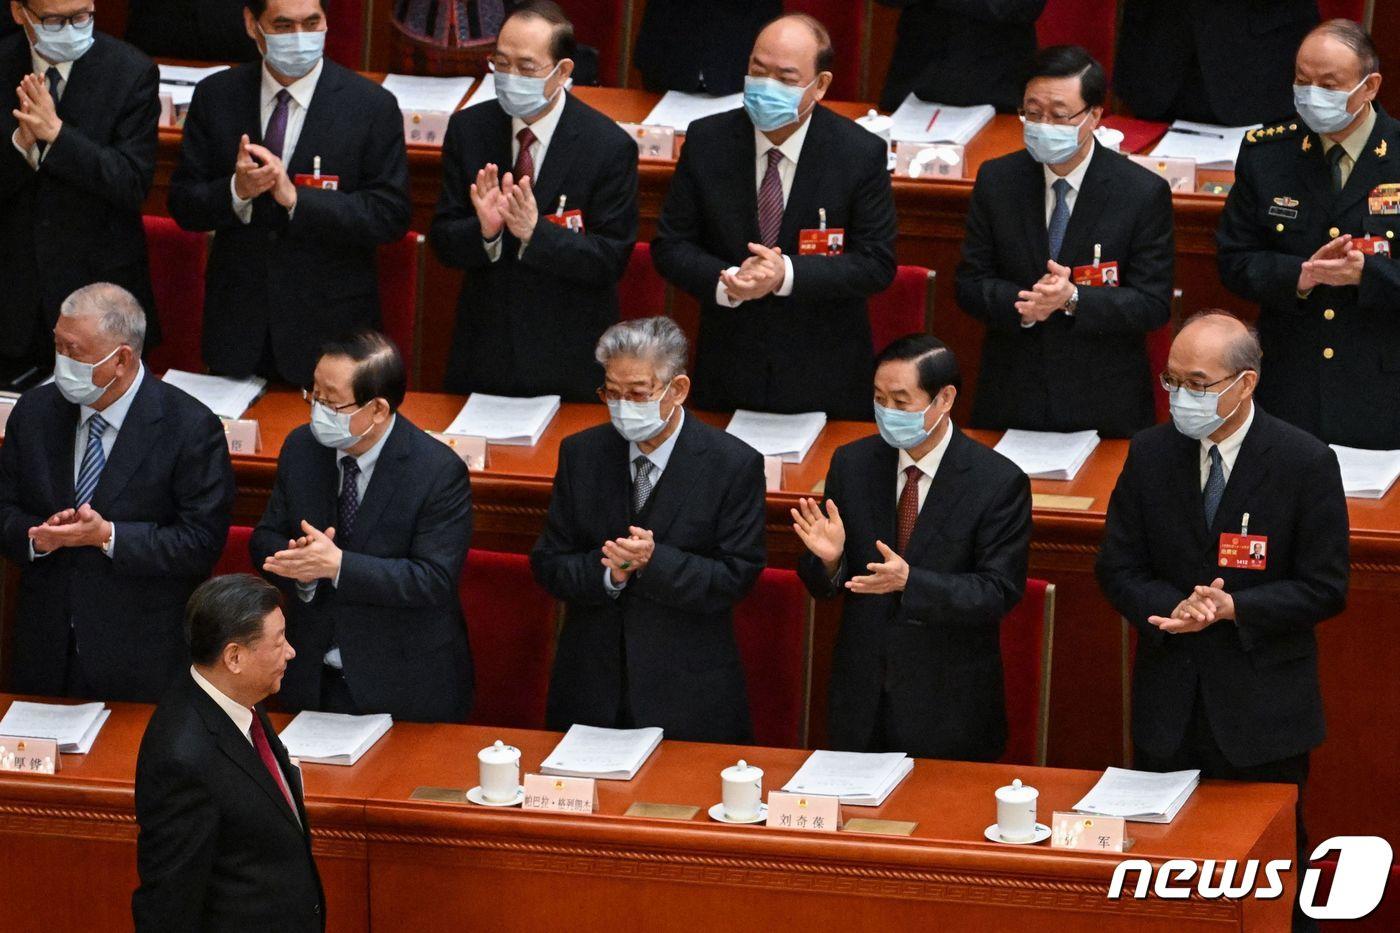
x,y
311,398
56,23
1195,389
525,69
1035,116
636,395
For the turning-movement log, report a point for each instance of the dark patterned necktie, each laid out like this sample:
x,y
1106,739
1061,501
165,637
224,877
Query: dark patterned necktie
x,y
641,486
908,508
349,495
1059,218
525,162
770,200
276,135
1215,486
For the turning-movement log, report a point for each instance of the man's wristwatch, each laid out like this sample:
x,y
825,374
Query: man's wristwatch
x,y
1073,304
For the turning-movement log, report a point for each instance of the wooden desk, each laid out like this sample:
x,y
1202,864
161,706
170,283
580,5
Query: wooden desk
x,y
391,863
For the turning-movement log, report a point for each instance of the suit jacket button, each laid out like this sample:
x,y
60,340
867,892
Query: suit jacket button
x,y
1327,354
1278,227
1329,314
1334,233
272,235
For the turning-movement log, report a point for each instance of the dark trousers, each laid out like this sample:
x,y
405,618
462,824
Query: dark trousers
x,y
1199,750
75,684
335,692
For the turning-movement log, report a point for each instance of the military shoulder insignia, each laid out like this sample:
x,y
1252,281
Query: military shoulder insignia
x,y
1381,149
1307,143
1266,133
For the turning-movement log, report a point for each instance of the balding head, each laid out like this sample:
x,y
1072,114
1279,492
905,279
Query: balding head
x,y
1216,352
794,50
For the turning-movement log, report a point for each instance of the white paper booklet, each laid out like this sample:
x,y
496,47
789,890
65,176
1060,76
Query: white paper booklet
x,y
432,95
786,436
1367,474
333,738
1209,145
179,80
504,420
677,109
858,778
605,754
225,397
74,728
1140,796
1047,454
921,121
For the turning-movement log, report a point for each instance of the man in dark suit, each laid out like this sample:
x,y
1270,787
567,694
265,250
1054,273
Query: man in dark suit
x,y
781,330
1215,61
1226,673
1310,231
202,30
115,491
962,52
699,48
1065,346
366,531
926,533
224,844
78,157
293,262
538,294
655,531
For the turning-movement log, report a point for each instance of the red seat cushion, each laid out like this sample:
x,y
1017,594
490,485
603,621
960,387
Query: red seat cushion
x,y
345,41
1090,23
846,23
771,626
599,23
1342,9
642,291
177,277
400,270
235,558
900,309
1023,660
510,624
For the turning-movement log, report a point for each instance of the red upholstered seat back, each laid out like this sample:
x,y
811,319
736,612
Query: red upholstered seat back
x,y
177,277
642,291
845,20
1026,637
1090,23
599,23
511,627
903,308
346,25
1159,347
1343,9
400,274
772,625
235,558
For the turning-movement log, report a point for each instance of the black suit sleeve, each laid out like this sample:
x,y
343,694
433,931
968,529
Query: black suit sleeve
x,y
981,292
563,560
676,248
201,197
15,519
1249,267
119,173
1143,302
177,848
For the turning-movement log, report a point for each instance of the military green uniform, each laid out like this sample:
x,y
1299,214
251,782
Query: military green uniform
x,y
1332,358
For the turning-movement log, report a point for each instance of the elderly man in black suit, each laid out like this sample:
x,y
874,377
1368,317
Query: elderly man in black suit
x,y
1068,262
783,326
539,206
1226,673
224,842
655,531
115,491
298,165
77,158
366,531
926,534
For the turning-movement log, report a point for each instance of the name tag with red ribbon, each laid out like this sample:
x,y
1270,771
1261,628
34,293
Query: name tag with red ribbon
x,y
1243,552
1105,273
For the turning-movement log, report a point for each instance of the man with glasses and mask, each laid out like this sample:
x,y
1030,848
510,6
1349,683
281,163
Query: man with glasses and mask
x,y
1226,673
115,491
298,165
1310,231
757,196
1068,262
77,156
655,531
366,531
539,206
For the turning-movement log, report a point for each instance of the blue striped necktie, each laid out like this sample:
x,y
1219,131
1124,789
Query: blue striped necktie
x,y
1059,218
1215,485
93,461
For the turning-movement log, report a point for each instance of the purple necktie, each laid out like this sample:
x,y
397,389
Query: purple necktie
x,y
770,200
349,495
276,133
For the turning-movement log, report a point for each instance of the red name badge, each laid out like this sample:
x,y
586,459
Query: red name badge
x,y
1105,273
1244,552
830,242
1372,246
569,220
324,182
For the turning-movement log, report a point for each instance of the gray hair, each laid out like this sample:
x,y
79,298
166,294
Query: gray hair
x,y
1355,37
656,339
119,313
1243,351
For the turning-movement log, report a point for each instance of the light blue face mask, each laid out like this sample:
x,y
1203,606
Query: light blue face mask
x,y
332,428
1052,143
770,103
294,54
1322,109
67,45
639,421
904,429
522,97
1196,417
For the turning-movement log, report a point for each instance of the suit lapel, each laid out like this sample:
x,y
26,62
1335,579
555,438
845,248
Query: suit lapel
x,y
318,129
1317,178
1094,193
65,428
83,89
139,434
617,485
684,474
804,199
388,475
557,160
1033,216
942,496
741,171
1372,168
249,115
239,749
1187,476
1252,467
883,482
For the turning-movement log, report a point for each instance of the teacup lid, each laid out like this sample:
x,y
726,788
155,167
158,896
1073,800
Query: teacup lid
x,y
743,771
1017,792
499,753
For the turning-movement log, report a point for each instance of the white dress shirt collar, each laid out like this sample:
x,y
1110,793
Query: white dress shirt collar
x,y
791,148
1076,177
662,454
928,463
42,66
369,458
115,413
1229,447
544,127
302,89
241,715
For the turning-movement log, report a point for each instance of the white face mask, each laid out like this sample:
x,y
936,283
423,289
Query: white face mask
x,y
74,379
332,428
1322,109
1196,416
638,421
522,97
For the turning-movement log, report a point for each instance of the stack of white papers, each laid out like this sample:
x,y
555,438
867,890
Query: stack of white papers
x,y
605,754
333,738
786,436
921,121
225,397
1047,454
503,420
432,95
677,109
1140,796
74,728
1209,145
1367,474
859,779
179,80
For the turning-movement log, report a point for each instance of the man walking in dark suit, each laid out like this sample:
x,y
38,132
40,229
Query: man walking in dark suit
x,y
699,48
115,491
77,156
1310,231
1068,262
225,845
1225,678
517,171
655,531
366,531
783,327
298,165
926,534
